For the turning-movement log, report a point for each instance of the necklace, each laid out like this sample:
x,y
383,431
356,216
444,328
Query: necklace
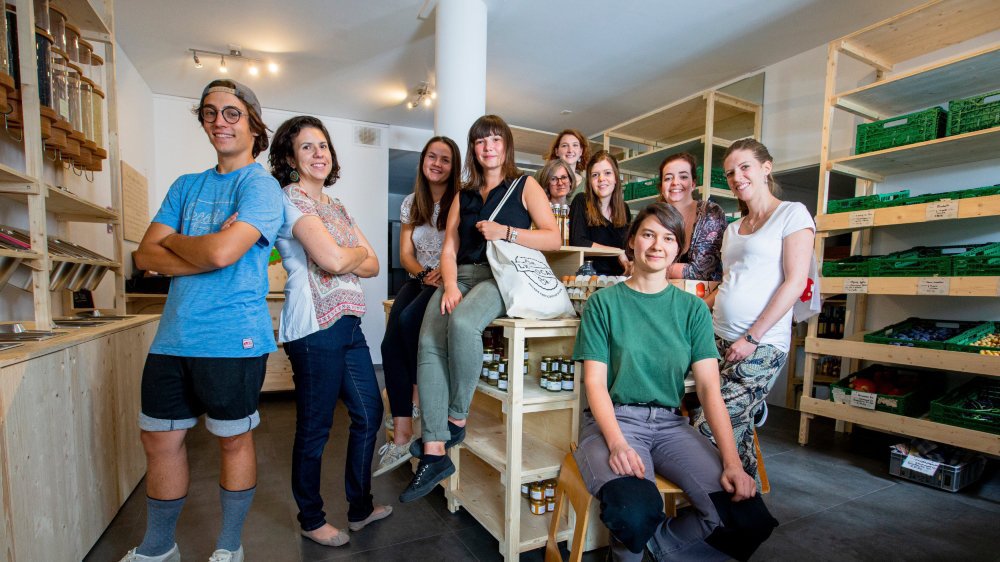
x,y
755,224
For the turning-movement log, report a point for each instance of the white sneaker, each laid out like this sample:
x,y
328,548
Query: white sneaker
x,y
390,424
392,456
172,555
223,555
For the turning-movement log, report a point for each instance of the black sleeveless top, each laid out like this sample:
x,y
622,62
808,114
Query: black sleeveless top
x,y
472,209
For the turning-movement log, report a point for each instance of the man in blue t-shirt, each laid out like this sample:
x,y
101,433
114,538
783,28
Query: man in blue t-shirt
x,y
213,233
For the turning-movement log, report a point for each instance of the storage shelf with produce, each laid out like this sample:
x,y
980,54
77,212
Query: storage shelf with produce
x,y
939,24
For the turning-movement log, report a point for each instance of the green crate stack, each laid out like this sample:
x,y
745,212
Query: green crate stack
x,y
974,114
864,202
921,261
919,126
901,332
931,198
983,260
639,189
965,340
852,266
717,179
974,405
980,191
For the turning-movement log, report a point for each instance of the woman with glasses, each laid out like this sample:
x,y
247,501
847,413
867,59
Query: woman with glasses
x,y
599,218
325,254
556,178
572,147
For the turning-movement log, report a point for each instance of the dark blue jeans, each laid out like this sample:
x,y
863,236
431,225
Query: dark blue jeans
x,y
399,345
327,365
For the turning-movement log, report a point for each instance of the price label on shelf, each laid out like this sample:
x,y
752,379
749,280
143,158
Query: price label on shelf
x,y
940,210
856,285
839,396
864,400
859,219
933,286
921,465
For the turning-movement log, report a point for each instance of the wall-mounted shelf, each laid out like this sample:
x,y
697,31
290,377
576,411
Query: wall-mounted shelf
x,y
973,207
68,206
855,347
984,286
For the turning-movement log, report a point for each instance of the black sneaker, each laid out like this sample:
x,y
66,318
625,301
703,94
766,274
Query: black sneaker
x,y
457,436
760,416
427,476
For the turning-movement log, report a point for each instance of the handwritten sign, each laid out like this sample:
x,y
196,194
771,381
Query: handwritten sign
x,y
860,219
941,210
933,286
856,285
864,400
921,465
135,203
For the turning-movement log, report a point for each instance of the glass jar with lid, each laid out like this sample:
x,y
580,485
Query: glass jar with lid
x,y
538,507
60,84
97,76
73,76
494,374
42,15
57,26
73,43
502,382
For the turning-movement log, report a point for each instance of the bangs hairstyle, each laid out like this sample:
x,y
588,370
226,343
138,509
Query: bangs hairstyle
x,y
685,156
584,147
761,155
487,126
284,149
665,214
619,217
257,126
423,202
549,171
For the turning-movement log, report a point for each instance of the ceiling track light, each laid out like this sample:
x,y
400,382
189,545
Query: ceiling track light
x,y
424,95
253,64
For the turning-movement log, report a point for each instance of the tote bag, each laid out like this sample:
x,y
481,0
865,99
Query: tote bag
x,y
528,286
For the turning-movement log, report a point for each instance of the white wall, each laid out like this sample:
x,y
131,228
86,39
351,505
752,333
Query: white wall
x,y
182,147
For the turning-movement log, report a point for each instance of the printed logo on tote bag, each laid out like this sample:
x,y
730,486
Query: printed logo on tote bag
x,y
538,273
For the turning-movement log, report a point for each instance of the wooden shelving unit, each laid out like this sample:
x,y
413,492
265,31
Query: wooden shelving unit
x,y
919,31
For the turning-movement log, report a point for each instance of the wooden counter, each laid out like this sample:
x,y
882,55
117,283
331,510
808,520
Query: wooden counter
x,y
70,453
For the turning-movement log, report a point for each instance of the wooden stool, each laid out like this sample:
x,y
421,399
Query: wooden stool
x,y
765,485
570,487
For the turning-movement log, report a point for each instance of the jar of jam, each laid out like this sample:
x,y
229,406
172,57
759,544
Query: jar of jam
x,y
502,365
555,382
487,354
502,382
550,489
536,491
524,490
494,374
484,375
524,371
538,507
545,365
550,504
567,381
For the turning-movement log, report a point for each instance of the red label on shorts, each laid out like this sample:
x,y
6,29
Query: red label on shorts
x,y
247,343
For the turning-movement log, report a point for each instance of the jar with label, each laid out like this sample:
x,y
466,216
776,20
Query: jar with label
x,y
502,381
554,382
538,507
567,382
494,374
502,365
524,371
487,355
545,365
536,491
550,505
524,490
543,379
550,489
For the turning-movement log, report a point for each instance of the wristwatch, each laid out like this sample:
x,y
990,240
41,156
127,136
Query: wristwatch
x,y
513,235
750,339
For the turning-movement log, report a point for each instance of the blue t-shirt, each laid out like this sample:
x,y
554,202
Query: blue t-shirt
x,y
221,313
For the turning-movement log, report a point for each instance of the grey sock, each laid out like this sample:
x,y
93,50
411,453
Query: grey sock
x,y
235,506
161,521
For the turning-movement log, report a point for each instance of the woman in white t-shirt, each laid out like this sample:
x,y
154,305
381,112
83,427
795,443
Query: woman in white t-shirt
x,y
765,264
423,215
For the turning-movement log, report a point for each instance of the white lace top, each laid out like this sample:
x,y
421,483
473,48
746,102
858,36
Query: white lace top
x,y
427,239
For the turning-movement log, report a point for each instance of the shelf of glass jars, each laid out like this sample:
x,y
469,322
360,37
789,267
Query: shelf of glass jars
x,y
855,347
903,425
956,209
938,153
973,286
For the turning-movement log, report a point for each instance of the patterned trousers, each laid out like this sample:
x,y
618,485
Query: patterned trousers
x,y
745,384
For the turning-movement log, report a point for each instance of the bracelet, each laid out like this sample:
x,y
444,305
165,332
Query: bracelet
x,y
507,238
420,276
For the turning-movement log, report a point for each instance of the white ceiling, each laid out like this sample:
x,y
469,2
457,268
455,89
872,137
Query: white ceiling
x,y
605,61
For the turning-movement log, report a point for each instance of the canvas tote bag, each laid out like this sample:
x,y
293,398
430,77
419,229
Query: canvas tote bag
x,y
528,286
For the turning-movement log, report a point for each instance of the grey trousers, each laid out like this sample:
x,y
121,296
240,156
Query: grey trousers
x,y
450,351
670,447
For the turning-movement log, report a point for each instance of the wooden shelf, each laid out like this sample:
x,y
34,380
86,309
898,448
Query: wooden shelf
x,y
486,438
855,347
973,207
13,181
481,492
914,427
535,398
733,118
957,286
647,164
106,263
22,254
959,77
82,14
938,153
65,205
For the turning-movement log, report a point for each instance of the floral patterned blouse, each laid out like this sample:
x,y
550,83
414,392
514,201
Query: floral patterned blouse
x,y
703,260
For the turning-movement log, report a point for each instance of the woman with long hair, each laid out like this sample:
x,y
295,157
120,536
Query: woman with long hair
x,y
704,221
325,254
450,350
599,217
765,264
423,214
571,146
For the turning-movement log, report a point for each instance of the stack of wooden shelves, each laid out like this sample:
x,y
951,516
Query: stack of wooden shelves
x,y
920,31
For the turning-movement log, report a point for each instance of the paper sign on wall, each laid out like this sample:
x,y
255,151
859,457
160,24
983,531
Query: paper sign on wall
x,y
135,203
921,465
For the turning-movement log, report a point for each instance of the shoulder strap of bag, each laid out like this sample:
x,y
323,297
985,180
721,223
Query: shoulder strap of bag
x,y
511,189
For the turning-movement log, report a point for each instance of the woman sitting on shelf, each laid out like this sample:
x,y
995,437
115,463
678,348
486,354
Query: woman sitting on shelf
x,y
704,221
634,428
599,218
450,351
423,215
572,147
325,253
557,178
765,263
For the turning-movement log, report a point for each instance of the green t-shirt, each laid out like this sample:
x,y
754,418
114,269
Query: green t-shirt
x,y
648,341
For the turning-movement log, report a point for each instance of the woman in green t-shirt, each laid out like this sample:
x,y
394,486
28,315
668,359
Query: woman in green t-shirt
x,y
634,364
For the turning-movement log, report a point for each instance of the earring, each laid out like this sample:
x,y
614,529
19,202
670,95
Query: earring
x,y
294,175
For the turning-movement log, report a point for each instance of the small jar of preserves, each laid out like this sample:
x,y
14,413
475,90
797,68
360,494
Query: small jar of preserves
x,y
567,382
484,375
550,505
524,490
538,507
525,370
545,365
536,491
550,488
494,374
487,354
555,382
502,382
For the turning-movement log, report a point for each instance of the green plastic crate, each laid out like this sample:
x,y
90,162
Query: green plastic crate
x,y
980,261
717,179
865,202
921,261
852,266
639,189
898,334
913,403
974,114
968,406
980,191
919,126
931,198
964,341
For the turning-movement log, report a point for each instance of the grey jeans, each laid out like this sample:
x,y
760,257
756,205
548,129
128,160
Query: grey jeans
x,y
450,351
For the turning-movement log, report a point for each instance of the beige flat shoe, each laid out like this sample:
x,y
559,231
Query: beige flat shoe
x,y
375,516
340,539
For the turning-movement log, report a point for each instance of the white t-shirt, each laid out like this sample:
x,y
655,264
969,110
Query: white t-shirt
x,y
752,272
427,239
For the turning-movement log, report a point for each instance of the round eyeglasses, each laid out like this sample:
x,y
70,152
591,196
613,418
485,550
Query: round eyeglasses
x,y
231,114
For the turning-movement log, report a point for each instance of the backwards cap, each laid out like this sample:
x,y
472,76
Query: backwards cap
x,y
235,88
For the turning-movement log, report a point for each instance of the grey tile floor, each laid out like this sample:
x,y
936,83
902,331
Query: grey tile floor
x,y
834,499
